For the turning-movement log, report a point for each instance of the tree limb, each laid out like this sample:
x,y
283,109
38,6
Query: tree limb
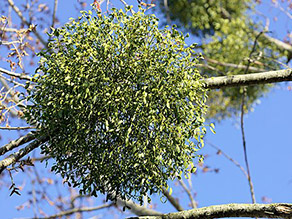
x,y
16,143
137,209
248,79
278,210
13,158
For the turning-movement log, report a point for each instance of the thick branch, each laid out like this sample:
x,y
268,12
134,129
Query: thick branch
x,y
248,79
13,158
279,210
16,143
137,209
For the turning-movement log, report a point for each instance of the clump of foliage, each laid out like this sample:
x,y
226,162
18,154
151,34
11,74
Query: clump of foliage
x,y
122,103
227,33
203,17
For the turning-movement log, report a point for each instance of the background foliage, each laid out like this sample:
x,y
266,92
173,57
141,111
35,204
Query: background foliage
x,y
226,31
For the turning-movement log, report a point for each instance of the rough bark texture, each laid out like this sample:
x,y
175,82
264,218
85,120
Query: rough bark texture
x,y
279,210
248,79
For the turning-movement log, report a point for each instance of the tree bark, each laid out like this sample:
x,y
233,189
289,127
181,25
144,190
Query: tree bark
x,y
248,79
279,210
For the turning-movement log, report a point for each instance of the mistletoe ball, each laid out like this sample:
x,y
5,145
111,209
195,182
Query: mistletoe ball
x,y
122,103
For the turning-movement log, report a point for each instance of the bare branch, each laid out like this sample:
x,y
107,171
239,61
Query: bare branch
x,y
172,200
12,81
13,158
54,13
17,128
167,11
219,151
248,79
13,30
281,45
137,209
234,65
17,75
278,210
20,15
16,143
77,210
193,202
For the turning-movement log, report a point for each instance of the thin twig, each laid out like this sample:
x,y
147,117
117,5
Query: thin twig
x,y
77,210
228,157
17,75
193,202
17,128
172,200
13,95
167,12
126,5
54,13
12,81
242,123
107,6
23,19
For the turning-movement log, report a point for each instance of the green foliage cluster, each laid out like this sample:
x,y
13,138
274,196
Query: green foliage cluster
x,y
203,16
122,103
226,31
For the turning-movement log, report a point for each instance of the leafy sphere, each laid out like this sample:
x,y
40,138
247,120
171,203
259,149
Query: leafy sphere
x,y
122,103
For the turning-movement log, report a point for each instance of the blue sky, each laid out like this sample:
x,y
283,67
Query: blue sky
x,y
268,135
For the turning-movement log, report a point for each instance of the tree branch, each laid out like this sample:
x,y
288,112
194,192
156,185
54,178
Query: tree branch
x,y
137,209
78,210
16,143
23,19
13,74
248,79
17,128
172,200
251,68
279,210
193,202
280,44
219,152
13,158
